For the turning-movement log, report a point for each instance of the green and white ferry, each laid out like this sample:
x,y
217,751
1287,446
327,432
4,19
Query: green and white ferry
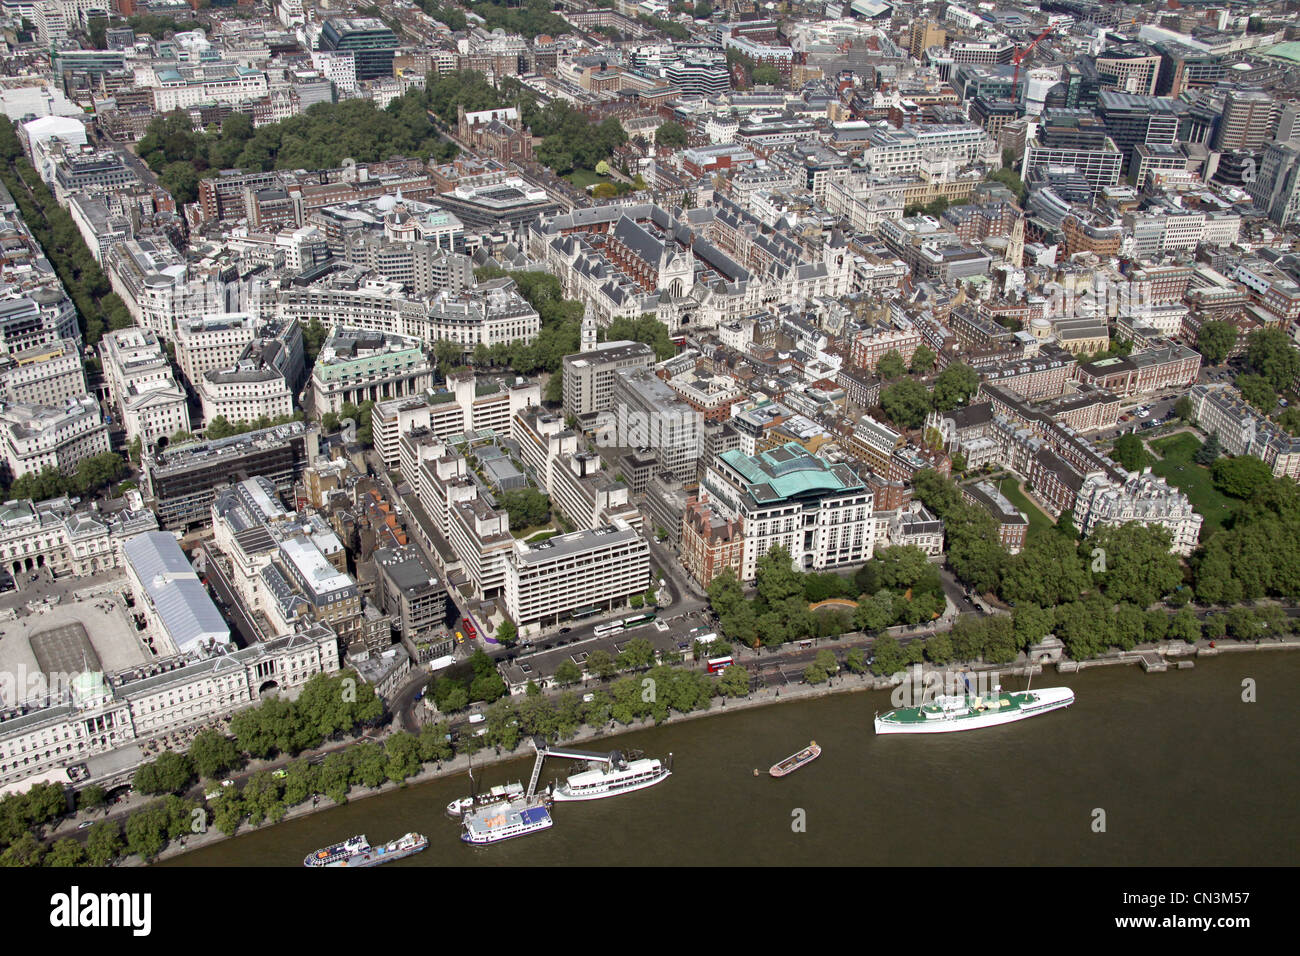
x,y
950,713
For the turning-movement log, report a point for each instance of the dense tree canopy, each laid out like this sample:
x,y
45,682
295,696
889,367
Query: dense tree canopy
x,y
891,365
1257,390
671,135
1138,566
1240,477
1130,452
91,475
1271,354
319,138
955,386
646,328
906,403
1215,340
975,553
526,507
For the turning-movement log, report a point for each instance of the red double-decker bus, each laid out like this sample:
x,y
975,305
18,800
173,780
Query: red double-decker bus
x,y
719,664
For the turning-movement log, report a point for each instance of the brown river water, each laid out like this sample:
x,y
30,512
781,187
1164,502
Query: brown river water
x,y
1184,770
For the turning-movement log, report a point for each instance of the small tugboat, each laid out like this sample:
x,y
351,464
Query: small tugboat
x,y
793,762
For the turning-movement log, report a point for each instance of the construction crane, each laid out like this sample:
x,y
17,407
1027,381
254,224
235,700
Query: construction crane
x,y
1021,54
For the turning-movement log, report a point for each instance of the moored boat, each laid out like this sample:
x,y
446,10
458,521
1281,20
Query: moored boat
x,y
502,821
462,805
335,854
793,762
609,780
950,713
357,851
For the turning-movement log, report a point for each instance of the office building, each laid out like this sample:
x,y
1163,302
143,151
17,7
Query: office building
x,y
820,512
580,573
356,366
181,482
589,375
369,41
140,383
36,437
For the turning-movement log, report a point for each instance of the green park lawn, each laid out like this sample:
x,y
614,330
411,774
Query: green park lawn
x,y
1039,521
582,178
1178,449
1177,468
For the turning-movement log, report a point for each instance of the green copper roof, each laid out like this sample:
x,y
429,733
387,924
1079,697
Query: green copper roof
x,y
790,472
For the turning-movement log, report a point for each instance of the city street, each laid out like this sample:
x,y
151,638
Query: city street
x,y
247,631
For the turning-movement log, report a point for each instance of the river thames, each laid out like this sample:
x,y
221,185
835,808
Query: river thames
x,y
1179,769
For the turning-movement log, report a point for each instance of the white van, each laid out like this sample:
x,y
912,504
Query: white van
x,y
476,718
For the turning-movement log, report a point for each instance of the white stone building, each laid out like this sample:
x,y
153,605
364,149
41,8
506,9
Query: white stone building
x,y
548,581
59,436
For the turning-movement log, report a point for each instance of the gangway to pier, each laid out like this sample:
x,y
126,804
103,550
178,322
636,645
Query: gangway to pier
x,y
545,750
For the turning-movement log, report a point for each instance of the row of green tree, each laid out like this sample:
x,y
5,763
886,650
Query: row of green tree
x,y
529,19
221,427
897,586
154,25
98,306
637,654
268,795
561,321
92,474
446,13
670,28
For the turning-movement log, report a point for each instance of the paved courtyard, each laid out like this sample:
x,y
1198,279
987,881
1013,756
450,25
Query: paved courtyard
x,y
88,628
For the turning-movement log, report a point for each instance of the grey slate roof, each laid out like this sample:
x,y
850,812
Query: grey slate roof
x,y
182,602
